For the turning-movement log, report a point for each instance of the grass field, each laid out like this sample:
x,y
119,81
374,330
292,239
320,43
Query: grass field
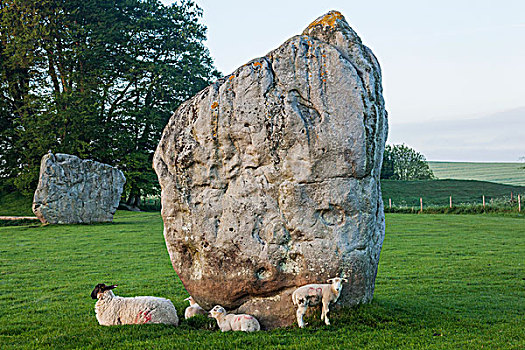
x,y
444,282
504,173
438,192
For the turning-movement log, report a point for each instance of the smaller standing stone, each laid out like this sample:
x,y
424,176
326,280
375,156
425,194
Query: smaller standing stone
x,y
76,191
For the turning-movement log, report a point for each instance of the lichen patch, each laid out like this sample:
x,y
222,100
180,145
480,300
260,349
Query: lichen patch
x,y
328,20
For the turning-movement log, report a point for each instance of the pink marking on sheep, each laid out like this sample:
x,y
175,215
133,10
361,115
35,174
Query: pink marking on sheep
x,y
145,315
137,318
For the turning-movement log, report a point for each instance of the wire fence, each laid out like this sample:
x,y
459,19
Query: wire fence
x,y
484,205
508,204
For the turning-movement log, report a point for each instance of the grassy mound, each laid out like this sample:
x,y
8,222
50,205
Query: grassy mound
x,y
503,173
438,192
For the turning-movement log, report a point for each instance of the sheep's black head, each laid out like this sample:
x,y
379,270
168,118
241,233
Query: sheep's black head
x,y
101,288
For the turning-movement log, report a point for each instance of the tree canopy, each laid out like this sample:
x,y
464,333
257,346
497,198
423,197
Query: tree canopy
x,y
401,162
95,78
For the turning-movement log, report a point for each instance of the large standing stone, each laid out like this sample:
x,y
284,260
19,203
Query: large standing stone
x,y
270,177
71,190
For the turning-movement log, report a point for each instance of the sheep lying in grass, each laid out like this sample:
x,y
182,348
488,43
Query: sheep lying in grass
x,y
232,322
114,310
313,294
194,309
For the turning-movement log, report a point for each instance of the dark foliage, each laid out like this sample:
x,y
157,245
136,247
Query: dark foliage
x,y
401,162
97,79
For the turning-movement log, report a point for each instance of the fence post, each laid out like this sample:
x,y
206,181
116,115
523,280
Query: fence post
x,y
450,202
421,204
511,197
483,201
390,203
519,203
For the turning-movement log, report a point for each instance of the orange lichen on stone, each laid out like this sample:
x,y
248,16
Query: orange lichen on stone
x,y
257,64
214,105
230,78
329,20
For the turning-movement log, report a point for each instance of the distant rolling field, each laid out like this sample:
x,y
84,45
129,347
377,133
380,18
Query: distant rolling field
x,y
503,173
438,192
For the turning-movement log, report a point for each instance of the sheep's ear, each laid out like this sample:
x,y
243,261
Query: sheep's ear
x,y
330,280
110,287
345,279
94,293
187,299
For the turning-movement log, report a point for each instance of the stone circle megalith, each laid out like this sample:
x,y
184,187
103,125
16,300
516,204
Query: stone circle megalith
x,y
270,176
76,191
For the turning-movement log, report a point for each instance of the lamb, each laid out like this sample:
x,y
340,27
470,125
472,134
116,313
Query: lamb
x,y
194,309
233,322
313,294
114,310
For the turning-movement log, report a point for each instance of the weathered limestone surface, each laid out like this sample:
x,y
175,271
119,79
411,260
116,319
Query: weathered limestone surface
x,y
71,190
270,177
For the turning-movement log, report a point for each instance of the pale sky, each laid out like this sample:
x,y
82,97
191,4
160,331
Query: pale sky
x,y
444,62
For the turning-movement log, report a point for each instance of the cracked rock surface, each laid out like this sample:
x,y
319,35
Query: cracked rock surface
x,y
270,176
73,191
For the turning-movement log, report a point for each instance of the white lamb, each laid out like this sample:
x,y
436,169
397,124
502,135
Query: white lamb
x,y
194,309
313,294
114,310
233,322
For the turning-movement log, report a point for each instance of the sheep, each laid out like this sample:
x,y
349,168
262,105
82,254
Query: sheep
x,y
313,294
233,322
194,309
114,310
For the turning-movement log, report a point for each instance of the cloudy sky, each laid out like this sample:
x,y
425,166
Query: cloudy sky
x,y
453,70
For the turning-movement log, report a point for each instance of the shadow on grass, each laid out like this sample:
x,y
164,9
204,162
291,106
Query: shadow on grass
x,y
387,314
24,222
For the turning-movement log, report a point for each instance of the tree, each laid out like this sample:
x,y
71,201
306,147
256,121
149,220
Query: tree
x,y
401,162
387,169
17,62
98,79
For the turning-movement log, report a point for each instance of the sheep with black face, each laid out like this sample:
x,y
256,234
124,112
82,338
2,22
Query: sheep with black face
x,y
114,310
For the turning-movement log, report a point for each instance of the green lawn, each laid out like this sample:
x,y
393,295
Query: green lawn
x,y
504,173
444,282
438,192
